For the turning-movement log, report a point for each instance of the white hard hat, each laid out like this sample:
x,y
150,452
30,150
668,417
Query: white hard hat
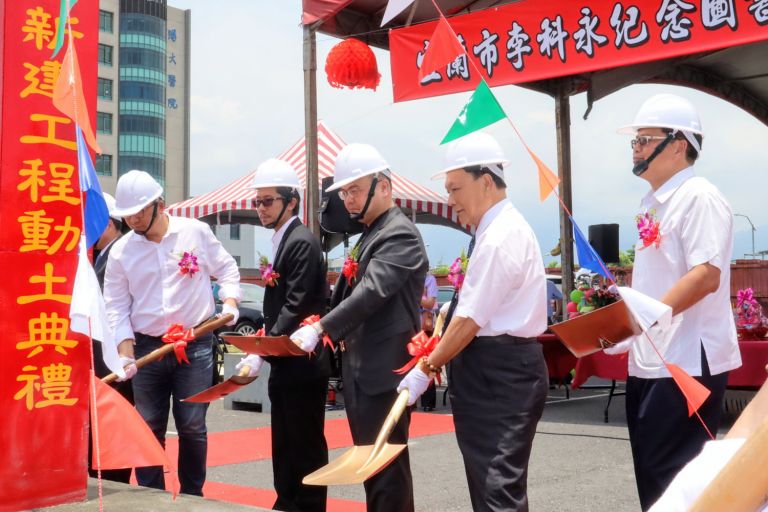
x,y
476,148
667,111
135,190
275,173
355,161
111,205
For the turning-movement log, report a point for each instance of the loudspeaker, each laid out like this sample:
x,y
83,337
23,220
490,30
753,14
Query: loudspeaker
x,y
334,218
604,238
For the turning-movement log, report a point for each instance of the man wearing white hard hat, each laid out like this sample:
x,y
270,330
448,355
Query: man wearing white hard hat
x,y
297,385
498,375
682,258
375,314
159,274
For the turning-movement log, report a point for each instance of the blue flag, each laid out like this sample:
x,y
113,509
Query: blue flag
x,y
588,258
96,213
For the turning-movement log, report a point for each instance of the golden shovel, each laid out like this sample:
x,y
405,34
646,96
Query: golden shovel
x,y
359,463
222,389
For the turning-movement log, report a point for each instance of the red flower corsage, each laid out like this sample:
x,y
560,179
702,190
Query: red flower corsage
x,y
349,270
268,274
188,264
649,229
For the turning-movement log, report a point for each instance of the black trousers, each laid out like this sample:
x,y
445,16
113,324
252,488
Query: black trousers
x,y
498,388
662,436
298,442
390,490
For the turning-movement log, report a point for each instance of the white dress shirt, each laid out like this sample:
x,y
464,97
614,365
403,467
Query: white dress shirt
x,y
278,237
504,290
146,292
696,226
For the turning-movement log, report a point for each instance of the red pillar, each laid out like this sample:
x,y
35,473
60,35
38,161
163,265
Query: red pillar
x,y
43,365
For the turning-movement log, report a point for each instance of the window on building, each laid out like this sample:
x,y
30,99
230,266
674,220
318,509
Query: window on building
x,y
104,122
105,88
234,231
237,259
104,165
105,54
106,21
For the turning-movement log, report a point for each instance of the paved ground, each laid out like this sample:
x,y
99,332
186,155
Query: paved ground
x,y
579,463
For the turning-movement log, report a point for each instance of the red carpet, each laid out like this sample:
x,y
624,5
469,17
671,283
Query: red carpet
x,y
239,446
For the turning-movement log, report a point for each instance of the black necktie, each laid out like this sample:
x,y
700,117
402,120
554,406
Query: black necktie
x,y
455,298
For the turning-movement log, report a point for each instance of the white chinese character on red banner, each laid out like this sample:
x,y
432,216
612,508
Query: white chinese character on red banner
x,y
670,16
552,37
587,36
459,67
433,76
759,10
517,46
487,51
715,13
624,26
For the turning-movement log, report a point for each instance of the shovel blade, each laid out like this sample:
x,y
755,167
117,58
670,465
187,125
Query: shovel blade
x,y
220,390
354,466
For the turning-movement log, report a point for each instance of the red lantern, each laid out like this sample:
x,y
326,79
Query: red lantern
x,y
351,63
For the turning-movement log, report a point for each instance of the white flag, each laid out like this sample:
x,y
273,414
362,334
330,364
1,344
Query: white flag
x,y
394,7
88,304
646,310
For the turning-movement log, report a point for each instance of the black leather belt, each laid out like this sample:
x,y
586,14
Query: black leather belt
x,y
505,338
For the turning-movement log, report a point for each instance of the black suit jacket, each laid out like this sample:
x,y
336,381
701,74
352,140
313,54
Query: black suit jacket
x,y
379,312
100,261
301,291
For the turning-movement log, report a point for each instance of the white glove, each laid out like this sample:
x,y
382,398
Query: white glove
x,y
306,338
226,308
253,361
130,368
620,348
417,382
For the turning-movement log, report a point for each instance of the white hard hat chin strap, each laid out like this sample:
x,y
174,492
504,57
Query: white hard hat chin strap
x,y
690,137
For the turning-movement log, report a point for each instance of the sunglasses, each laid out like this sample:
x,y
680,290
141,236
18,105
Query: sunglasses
x,y
644,140
267,201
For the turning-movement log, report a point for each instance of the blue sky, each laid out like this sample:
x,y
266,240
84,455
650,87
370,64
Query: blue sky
x,y
247,106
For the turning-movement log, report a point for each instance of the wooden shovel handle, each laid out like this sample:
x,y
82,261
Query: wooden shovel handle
x,y
205,327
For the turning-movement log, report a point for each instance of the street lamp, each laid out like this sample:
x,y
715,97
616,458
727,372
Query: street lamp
x,y
753,230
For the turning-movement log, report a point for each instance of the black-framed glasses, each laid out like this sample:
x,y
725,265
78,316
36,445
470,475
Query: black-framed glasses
x,y
267,201
644,140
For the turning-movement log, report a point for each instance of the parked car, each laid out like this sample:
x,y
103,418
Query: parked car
x,y
251,309
251,320
444,294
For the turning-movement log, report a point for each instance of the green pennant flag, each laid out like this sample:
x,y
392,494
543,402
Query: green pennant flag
x,y
481,110
62,28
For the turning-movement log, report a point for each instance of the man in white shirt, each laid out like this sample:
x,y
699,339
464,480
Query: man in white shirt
x,y
682,258
498,375
159,275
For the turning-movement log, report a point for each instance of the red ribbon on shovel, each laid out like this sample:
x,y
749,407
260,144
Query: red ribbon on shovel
x,y
179,337
420,346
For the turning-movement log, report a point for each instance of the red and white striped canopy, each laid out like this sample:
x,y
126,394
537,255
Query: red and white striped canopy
x,y
238,196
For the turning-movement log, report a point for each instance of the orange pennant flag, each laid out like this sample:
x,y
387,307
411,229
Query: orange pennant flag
x,y
548,180
121,435
443,49
68,96
694,391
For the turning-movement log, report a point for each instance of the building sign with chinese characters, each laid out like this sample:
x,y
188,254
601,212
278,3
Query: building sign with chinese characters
x,y
531,40
44,367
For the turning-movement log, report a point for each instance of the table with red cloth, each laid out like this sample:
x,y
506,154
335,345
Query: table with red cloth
x,y
560,361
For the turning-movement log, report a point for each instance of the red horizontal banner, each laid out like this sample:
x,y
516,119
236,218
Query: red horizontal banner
x,y
533,40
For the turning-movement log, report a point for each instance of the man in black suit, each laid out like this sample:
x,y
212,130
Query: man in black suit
x,y
375,312
295,289
101,248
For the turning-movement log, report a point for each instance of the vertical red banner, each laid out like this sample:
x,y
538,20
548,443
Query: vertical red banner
x,y
43,365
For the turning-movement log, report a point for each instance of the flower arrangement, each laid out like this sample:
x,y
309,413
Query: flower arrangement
x,y
349,270
268,274
188,263
749,313
457,270
587,297
648,228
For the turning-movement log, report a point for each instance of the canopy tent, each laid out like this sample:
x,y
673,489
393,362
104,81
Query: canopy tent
x,y
233,203
737,74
